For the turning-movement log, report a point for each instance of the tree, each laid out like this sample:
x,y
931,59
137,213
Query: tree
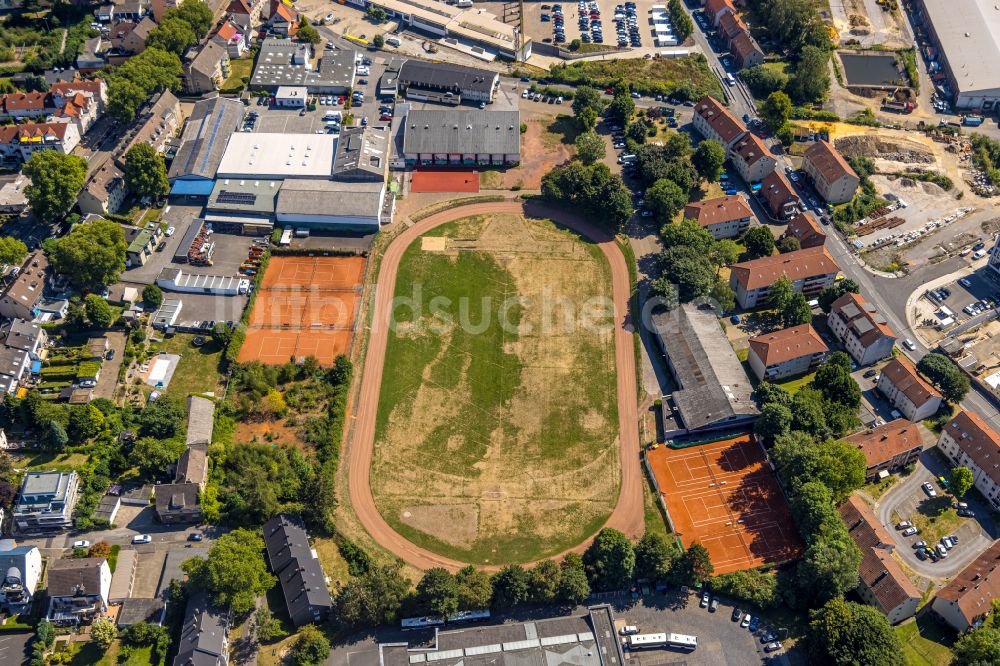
x,y
841,360
978,647
138,78
152,297
378,41
222,334
690,270
775,420
85,421
780,294
544,580
837,384
844,633
811,79
610,560
55,437
12,251
725,252
799,458
143,634
760,588
768,394
173,35
829,569
759,242
590,147
694,567
235,572
153,455
162,419
511,586
574,588
621,109
788,244
307,33
665,198
437,591
92,255
103,632
474,589
960,481
796,311
310,648
377,14
145,173
944,374
680,20
688,234
373,598
812,508
723,295
56,179
708,159
98,311
653,557
195,13
269,628
763,81
125,98
587,105
776,109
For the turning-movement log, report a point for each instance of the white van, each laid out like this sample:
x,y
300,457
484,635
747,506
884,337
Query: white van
x,y
393,41
332,115
626,158
730,80
463,3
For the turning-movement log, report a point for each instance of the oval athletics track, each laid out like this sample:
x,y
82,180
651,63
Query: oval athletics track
x,y
627,515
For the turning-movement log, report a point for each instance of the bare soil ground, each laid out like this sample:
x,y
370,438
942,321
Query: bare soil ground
x,y
542,147
500,445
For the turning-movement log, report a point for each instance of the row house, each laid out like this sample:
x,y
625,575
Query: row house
x,y
104,192
235,39
734,33
888,448
969,441
787,353
810,271
861,328
723,217
752,159
19,142
830,173
806,231
908,391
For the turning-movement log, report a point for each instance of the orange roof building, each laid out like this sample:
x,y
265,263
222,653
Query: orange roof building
x,y
777,192
810,271
715,122
806,231
969,441
908,391
889,447
786,353
967,600
833,177
723,217
752,159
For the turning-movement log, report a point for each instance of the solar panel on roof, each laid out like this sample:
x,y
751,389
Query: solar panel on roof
x,y
240,198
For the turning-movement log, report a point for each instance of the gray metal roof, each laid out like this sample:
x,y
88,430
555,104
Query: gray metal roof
x,y
303,582
201,414
203,636
462,131
205,137
362,153
714,388
969,34
282,62
420,73
327,197
242,195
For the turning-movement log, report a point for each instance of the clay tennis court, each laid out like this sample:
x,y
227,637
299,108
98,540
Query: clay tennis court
x,y
724,496
306,306
445,180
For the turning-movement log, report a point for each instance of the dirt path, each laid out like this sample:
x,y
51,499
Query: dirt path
x,y
628,513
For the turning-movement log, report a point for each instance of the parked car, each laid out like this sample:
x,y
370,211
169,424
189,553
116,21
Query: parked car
x,y
169,232
870,373
83,543
942,551
965,282
714,606
929,489
768,636
910,344
629,629
902,525
920,545
110,355
772,647
921,554
195,536
141,538
705,597
966,513
754,623
737,614
909,531
746,621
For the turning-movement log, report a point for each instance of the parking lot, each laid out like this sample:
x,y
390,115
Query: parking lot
x,y
14,648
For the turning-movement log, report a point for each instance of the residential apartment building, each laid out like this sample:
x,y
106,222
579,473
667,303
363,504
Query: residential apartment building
x,y
810,271
863,330
14,363
968,598
303,583
104,191
26,336
46,501
723,217
235,39
204,635
888,448
907,391
832,176
135,41
22,571
969,441
883,583
752,159
714,121
155,125
22,295
746,51
715,10
806,231
284,20
78,590
786,353
206,69
19,142
779,196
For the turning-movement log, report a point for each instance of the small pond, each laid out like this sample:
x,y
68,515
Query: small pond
x,y
871,69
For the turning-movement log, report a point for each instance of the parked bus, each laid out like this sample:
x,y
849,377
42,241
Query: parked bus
x,y
421,622
642,641
469,616
682,641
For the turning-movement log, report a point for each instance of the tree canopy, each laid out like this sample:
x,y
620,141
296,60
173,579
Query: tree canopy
x,y
844,633
12,251
708,159
92,255
56,179
960,481
234,573
759,242
838,465
146,173
590,147
945,375
610,560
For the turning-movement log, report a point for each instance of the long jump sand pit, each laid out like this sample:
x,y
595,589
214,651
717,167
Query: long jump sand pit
x,y
306,306
497,424
724,496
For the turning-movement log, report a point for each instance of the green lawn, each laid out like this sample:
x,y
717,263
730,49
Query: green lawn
x,y
793,385
198,369
655,521
60,462
89,654
653,76
926,642
238,69
879,488
497,443
935,518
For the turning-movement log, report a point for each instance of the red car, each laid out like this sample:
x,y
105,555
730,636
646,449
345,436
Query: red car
x,y
340,100
385,117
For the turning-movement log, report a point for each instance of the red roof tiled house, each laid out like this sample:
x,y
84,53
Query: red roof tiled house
x,y
810,271
715,122
969,441
786,353
967,600
907,391
716,9
284,20
746,51
833,177
863,330
19,142
723,217
752,159
781,199
805,230
888,447
883,583
24,105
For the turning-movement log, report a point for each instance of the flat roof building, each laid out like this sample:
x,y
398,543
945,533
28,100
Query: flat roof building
x,y
282,62
328,204
714,392
967,36
266,156
362,155
46,501
462,137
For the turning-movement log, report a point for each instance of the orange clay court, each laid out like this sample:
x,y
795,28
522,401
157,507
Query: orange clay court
x,y
724,496
306,306
445,180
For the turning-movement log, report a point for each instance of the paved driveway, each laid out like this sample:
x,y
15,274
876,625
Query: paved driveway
x,y
109,370
904,498
14,648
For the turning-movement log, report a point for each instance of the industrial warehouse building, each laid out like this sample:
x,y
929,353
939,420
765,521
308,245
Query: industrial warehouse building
x,y
966,34
447,83
212,122
282,62
462,137
278,156
328,204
